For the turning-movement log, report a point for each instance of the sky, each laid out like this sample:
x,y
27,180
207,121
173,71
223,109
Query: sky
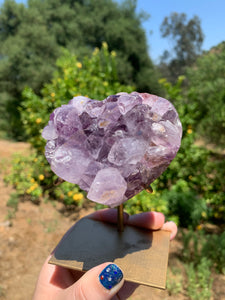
x,y
210,12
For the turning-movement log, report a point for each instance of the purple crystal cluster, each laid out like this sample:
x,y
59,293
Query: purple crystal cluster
x,y
113,148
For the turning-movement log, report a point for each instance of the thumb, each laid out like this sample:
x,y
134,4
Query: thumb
x,y
100,283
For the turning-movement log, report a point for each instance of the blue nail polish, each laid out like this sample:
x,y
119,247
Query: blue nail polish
x,y
110,276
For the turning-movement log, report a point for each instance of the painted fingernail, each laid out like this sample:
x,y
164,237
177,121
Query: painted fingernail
x,y
110,276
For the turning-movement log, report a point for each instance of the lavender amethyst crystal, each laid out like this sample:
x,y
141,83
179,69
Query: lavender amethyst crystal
x,y
114,148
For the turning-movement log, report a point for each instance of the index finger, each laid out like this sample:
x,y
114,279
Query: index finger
x,y
107,215
148,220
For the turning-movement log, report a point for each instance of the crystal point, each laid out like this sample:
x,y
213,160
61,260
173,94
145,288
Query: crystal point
x,y
108,187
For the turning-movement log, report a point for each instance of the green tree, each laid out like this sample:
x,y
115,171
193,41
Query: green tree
x,y
207,91
186,37
27,56
31,37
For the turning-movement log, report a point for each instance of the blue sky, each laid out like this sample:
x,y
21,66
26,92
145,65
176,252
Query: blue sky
x,y
210,12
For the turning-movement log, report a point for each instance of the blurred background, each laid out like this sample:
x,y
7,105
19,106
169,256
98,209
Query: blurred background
x,y
53,50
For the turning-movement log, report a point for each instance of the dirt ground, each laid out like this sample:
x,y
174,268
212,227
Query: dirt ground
x,y
28,238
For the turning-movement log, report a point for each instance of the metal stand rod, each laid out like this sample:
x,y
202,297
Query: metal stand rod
x,y
120,222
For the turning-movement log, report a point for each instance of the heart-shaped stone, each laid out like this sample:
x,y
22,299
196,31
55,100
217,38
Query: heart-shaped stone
x,y
113,148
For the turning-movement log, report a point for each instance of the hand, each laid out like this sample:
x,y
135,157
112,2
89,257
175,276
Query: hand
x,y
58,283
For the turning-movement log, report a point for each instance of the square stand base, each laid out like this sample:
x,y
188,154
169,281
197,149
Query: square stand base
x,y
141,254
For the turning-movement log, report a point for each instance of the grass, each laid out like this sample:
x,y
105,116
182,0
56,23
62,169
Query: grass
x,y
174,282
50,226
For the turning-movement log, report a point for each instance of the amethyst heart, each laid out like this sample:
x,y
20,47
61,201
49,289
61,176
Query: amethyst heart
x,y
113,148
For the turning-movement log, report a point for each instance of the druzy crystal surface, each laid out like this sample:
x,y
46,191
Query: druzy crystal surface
x,y
113,148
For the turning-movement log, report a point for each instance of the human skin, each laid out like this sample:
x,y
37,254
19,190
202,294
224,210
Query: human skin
x,y
58,283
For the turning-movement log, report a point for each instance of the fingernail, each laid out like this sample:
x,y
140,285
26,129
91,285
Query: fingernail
x,y
110,276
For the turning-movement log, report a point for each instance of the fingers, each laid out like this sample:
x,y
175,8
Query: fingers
x,y
51,279
100,283
148,220
172,227
107,215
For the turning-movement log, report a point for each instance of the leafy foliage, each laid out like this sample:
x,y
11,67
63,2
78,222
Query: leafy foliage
x,y
207,91
174,282
146,202
32,36
199,280
197,245
185,203
33,180
28,53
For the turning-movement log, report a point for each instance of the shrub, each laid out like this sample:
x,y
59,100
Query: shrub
x,y
144,202
198,245
206,90
33,180
199,283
